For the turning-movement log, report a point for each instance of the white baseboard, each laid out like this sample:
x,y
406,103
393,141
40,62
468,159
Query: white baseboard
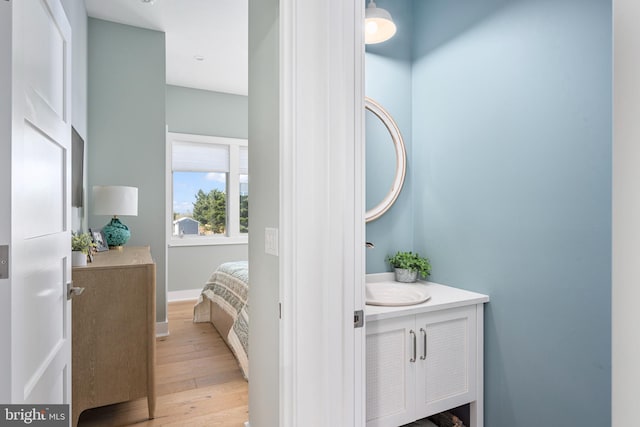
x,y
162,329
189,294
246,424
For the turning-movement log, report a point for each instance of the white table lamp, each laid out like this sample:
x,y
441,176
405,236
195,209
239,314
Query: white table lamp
x,y
115,200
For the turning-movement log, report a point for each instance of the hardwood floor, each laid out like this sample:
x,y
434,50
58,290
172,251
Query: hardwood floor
x,y
198,381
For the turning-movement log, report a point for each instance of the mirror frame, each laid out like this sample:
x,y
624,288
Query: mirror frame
x,y
401,160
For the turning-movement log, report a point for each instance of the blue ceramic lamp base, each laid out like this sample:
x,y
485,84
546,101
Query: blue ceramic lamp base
x,y
116,233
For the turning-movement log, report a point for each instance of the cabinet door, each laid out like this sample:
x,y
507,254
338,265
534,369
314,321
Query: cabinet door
x,y
390,372
446,366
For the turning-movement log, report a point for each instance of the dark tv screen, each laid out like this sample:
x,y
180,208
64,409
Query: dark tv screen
x,y
77,165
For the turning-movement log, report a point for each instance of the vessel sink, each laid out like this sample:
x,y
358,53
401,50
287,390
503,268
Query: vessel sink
x,y
390,293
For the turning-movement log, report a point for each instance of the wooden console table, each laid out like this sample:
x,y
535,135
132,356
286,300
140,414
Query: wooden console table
x,y
113,330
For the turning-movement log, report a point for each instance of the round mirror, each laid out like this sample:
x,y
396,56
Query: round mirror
x,y
384,176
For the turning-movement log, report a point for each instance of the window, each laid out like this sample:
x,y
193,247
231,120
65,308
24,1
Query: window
x,y
208,189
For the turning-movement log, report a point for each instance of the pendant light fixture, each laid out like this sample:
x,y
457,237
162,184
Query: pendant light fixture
x,y
378,25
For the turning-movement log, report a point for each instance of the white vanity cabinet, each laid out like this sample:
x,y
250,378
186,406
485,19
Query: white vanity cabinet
x,y
446,368
425,359
391,376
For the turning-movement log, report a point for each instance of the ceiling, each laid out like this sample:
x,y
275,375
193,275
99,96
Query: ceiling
x,y
215,30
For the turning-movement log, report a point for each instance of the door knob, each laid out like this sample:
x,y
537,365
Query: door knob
x,y
72,291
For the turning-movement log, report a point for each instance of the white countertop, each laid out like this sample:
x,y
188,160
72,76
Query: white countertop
x,y
442,297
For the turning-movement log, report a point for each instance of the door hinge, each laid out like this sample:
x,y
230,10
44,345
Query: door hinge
x,y
4,262
358,318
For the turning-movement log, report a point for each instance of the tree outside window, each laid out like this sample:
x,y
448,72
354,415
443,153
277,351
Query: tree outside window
x,y
210,198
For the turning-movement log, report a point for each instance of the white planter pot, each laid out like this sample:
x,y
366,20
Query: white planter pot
x,y
406,276
78,259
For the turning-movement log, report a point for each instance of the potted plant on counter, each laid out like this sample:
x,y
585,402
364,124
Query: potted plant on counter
x,y
81,244
408,265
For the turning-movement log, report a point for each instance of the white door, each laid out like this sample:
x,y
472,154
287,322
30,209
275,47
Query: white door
x,y
40,262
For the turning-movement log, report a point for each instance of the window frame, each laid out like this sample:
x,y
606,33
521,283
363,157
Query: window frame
x,y
233,235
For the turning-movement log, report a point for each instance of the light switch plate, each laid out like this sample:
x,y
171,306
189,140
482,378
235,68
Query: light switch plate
x,y
271,241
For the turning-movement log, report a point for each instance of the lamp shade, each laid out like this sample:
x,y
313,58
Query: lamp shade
x,y
115,200
378,24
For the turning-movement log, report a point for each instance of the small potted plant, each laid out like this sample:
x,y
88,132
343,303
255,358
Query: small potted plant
x,y
408,265
81,244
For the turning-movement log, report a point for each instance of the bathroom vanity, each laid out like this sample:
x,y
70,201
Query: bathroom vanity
x,y
425,358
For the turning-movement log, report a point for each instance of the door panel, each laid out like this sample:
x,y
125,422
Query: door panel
x,y
44,54
45,170
447,369
446,364
390,380
51,389
46,285
40,211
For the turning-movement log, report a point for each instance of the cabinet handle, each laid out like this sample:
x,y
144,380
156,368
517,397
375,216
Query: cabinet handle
x,y
424,344
413,359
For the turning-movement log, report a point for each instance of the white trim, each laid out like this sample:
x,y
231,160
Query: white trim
x,y
6,62
625,236
184,295
287,349
168,200
233,192
477,406
359,198
209,241
233,237
321,207
162,329
208,139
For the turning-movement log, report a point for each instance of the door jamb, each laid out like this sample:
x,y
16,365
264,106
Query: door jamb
x,y
321,213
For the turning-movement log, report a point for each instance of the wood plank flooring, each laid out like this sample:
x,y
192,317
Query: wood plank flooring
x,y
198,381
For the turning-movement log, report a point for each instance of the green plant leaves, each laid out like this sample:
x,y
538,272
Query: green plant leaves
x,y
81,242
410,261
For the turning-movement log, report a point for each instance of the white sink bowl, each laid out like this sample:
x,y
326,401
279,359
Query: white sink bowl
x,y
389,293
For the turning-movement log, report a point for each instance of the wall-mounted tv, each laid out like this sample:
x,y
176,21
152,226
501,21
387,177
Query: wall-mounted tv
x,y
77,167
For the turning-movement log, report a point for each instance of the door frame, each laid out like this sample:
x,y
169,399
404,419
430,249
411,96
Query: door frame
x,y
322,227
337,395
625,371
5,192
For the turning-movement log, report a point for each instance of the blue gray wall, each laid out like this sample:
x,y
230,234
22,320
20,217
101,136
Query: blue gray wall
x,y
388,81
264,167
127,131
511,192
203,112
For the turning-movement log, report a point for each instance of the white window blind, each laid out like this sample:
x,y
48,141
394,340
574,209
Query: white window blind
x,y
244,160
196,157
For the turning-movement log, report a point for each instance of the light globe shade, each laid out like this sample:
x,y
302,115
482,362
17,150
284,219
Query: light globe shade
x,y
378,24
115,200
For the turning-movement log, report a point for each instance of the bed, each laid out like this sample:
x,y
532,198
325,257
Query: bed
x,y
224,301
